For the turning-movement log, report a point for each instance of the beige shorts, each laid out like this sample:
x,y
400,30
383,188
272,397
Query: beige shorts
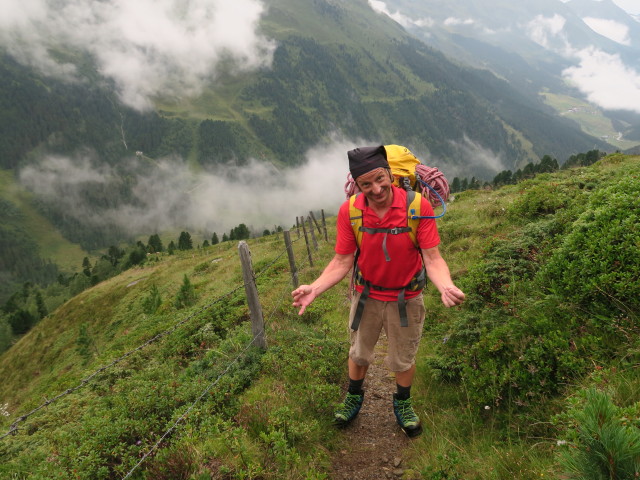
x,y
403,342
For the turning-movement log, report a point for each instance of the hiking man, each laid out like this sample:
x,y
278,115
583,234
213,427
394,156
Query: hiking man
x,y
389,277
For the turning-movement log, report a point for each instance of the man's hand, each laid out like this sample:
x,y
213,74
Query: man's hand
x,y
452,296
303,296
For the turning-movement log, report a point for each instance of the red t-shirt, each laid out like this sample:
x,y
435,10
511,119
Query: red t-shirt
x,y
405,259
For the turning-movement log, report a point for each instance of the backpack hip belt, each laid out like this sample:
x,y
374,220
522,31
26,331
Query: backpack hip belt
x,y
417,283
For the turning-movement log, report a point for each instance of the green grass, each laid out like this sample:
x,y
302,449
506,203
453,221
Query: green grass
x,y
591,118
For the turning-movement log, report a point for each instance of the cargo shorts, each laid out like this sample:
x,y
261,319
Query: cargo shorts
x,y
403,342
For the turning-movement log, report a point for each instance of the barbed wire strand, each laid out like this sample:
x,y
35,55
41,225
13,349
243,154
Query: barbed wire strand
x,y
191,407
209,388
13,429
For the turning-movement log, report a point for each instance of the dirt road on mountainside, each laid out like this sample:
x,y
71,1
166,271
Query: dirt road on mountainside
x,y
376,443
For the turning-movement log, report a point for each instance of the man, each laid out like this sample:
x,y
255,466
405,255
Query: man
x,y
389,290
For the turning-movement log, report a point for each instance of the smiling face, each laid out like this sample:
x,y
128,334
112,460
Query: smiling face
x,y
376,186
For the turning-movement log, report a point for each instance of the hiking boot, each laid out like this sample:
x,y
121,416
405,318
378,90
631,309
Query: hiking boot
x,y
406,417
348,410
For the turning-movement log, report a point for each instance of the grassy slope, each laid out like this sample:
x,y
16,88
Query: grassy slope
x,y
300,375
590,118
289,18
52,245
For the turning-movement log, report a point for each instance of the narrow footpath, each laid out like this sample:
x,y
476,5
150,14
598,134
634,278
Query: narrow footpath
x,y
376,443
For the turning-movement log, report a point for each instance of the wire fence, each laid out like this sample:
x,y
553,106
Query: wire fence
x,y
281,298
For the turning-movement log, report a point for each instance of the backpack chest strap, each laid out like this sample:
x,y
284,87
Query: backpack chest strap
x,y
386,231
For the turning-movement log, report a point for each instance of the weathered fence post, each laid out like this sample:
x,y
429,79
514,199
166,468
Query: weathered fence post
x,y
313,235
316,222
292,261
306,240
324,227
298,226
255,309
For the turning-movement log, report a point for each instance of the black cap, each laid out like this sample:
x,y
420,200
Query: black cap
x,y
364,159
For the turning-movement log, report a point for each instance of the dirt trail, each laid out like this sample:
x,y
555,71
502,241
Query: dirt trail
x,y
376,442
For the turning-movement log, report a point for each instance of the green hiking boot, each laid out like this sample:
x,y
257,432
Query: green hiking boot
x,y
348,410
406,417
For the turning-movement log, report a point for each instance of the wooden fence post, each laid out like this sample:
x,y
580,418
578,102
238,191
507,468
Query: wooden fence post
x,y
316,222
292,261
306,240
298,226
313,235
324,227
255,309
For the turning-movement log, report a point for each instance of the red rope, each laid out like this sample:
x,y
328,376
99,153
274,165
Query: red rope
x,y
436,180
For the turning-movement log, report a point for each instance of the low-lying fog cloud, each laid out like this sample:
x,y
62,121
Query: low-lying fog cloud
x,y
147,47
602,76
168,195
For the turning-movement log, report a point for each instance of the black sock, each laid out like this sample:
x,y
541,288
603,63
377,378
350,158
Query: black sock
x,y
355,386
403,392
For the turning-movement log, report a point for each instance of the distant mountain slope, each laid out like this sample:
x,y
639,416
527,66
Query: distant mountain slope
x,y
31,249
581,48
339,69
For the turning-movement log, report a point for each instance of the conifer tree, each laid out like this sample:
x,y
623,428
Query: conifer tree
x,y
155,244
86,266
214,239
186,295
42,309
185,242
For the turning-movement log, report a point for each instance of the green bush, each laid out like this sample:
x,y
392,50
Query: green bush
x,y
510,261
598,262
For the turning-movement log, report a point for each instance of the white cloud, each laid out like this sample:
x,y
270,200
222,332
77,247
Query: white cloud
x,y
479,157
543,30
606,80
406,22
602,77
147,47
618,32
170,196
630,6
453,21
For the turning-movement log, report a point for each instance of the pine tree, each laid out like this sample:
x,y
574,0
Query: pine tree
x,y
42,309
214,239
86,266
155,244
185,242
186,295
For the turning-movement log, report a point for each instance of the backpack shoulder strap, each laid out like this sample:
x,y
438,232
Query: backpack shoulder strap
x,y
355,216
413,213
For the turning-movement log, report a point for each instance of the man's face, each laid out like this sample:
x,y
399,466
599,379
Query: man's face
x,y
376,186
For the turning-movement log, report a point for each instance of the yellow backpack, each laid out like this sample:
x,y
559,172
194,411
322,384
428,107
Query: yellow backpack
x,y
411,175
